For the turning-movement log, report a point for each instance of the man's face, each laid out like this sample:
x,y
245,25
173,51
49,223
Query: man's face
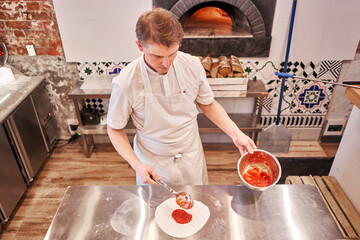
x,y
159,57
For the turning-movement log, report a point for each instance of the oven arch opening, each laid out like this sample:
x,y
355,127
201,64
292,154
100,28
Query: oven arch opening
x,y
255,17
215,19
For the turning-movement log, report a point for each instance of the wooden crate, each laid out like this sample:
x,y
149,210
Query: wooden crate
x,y
344,213
228,87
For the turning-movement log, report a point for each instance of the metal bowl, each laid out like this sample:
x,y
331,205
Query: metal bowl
x,y
260,170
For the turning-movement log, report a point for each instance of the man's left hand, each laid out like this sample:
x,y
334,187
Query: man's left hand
x,y
244,143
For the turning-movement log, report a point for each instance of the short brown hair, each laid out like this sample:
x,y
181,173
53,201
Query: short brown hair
x,y
159,26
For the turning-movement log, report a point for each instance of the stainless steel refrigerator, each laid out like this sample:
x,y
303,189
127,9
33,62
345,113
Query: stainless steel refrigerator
x,y
28,138
12,184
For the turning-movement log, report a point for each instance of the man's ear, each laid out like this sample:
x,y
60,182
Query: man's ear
x,y
139,45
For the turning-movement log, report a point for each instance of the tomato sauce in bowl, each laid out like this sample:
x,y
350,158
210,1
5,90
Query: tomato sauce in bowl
x,y
260,170
257,177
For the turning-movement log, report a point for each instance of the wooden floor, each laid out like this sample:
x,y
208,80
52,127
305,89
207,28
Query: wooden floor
x,y
68,166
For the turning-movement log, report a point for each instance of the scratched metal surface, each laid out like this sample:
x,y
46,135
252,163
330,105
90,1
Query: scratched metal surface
x,y
236,212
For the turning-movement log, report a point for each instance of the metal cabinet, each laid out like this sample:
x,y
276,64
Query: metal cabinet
x,y
28,137
45,115
12,185
27,134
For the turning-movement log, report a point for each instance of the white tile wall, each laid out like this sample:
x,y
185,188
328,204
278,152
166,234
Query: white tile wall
x,y
282,9
343,8
323,30
311,8
355,32
339,28
279,39
341,49
93,30
310,28
303,50
346,165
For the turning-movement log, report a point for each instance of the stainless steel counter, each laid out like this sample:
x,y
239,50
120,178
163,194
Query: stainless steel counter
x,y
13,93
281,212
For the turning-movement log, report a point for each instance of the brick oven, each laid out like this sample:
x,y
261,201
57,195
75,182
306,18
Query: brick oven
x,y
224,27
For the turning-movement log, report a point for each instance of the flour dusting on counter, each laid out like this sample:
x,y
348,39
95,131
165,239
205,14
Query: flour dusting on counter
x,y
131,215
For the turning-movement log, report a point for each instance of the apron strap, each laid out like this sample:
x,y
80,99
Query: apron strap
x,y
179,76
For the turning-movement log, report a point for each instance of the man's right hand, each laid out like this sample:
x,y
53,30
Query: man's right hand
x,y
121,143
145,172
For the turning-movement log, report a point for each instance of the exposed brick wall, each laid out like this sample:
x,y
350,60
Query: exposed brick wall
x,y
30,22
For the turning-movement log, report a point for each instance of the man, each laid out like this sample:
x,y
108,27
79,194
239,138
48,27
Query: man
x,y
160,91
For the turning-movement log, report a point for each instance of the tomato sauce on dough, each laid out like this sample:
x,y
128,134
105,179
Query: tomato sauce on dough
x,y
180,216
257,177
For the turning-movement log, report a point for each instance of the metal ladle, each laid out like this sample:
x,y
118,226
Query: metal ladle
x,y
183,199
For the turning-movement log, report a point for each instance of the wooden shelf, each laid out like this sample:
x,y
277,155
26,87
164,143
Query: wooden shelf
x,y
245,121
248,122
100,129
353,95
254,89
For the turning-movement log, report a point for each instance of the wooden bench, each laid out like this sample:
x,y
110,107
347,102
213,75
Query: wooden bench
x,y
344,213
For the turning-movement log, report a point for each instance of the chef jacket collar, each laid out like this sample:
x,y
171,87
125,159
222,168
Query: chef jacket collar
x,y
152,71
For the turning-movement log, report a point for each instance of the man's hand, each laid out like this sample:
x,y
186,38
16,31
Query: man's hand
x,y
145,172
216,113
244,143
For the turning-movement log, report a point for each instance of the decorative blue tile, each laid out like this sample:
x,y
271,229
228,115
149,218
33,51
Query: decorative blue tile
x,y
330,70
87,69
262,71
312,97
99,68
327,69
108,68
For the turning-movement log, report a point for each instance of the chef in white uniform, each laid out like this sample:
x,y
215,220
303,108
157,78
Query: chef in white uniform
x,y
161,91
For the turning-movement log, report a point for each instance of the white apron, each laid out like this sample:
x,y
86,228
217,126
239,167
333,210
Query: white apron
x,y
169,141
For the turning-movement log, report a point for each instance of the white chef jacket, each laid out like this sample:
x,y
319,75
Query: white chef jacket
x,y
128,95
169,140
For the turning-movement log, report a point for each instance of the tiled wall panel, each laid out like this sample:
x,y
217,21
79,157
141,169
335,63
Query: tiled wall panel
x,y
305,102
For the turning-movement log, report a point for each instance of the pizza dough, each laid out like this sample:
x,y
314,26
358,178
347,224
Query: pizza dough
x,y
128,215
200,214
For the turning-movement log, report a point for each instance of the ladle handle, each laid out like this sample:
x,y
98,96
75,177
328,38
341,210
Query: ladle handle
x,y
160,182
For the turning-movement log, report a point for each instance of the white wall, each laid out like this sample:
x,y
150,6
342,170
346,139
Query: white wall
x,y
340,107
346,166
323,30
94,30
